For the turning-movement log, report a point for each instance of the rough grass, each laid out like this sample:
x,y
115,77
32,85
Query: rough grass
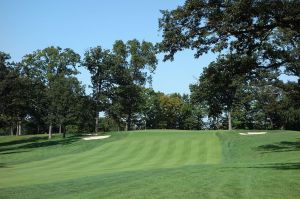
x,y
152,164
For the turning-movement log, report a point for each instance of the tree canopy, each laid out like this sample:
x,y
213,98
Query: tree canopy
x,y
256,42
266,30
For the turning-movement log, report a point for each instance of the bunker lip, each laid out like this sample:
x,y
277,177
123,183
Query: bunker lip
x,y
96,137
253,133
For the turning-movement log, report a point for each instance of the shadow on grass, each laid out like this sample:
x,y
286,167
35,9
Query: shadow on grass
x,y
279,166
12,152
283,146
36,143
24,141
3,165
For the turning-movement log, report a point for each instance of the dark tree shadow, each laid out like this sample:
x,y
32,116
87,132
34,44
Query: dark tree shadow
x,y
280,166
12,152
283,146
3,165
23,141
65,141
36,144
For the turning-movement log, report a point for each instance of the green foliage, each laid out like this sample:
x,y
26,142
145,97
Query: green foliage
x,y
171,111
100,64
258,101
108,124
134,60
72,129
41,90
54,68
259,38
15,94
268,29
118,77
218,84
47,64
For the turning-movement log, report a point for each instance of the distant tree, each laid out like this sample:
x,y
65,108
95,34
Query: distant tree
x,y
191,115
127,103
5,83
152,110
49,66
84,113
291,105
63,92
100,63
266,33
171,111
15,94
133,61
171,106
219,83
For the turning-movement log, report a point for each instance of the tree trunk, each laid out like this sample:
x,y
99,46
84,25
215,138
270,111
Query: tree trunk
x,y
128,125
60,129
20,127
271,123
17,133
50,131
97,122
229,121
11,130
64,134
38,130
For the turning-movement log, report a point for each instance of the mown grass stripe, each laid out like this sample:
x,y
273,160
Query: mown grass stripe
x,y
173,159
63,160
139,156
155,167
169,152
213,150
191,159
92,159
151,147
185,152
202,151
156,161
124,156
156,147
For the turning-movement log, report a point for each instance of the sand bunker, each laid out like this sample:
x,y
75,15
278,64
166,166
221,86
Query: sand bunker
x,y
95,134
253,133
97,137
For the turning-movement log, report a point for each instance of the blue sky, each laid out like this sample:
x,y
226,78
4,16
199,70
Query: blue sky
x,y
80,24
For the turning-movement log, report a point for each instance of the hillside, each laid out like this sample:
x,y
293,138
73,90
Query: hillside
x,y
152,164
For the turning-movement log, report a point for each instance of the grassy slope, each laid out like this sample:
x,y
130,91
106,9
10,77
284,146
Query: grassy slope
x,y
152,165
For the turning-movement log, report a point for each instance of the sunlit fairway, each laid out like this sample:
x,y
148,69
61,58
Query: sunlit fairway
x,y
152,164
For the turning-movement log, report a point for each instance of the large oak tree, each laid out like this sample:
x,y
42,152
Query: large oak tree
x,y
51,66
267,29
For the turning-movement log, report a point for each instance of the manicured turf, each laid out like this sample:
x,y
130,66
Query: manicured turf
x,y
152,164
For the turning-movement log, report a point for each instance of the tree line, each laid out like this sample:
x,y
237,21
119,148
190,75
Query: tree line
x,y
257,42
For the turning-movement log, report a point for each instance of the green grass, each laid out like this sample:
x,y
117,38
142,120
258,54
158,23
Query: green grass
x,y
152,164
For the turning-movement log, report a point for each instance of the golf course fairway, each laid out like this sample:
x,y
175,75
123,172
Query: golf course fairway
x,y
152,164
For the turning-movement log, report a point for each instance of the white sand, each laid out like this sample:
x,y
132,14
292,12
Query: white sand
x,y
97,137
90,134
253,133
